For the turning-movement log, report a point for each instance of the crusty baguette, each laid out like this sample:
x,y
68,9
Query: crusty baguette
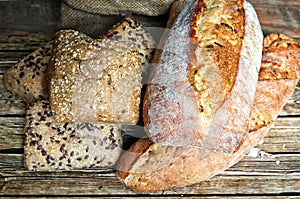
x,y
202,89
149,167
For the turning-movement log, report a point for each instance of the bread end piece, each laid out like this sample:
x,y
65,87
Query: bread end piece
x,y
25,77
67,146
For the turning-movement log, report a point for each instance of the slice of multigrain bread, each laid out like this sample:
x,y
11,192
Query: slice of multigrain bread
x,y
129,30
50,145
25,77
94,80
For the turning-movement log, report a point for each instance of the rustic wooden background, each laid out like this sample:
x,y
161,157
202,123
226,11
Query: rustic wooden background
x,y
274,173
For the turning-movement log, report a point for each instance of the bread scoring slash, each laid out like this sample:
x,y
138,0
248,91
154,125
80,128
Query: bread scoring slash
x,y
202,88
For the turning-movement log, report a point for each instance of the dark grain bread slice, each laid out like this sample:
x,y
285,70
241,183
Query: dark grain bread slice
x,y
150,167
94,80
50,145
202,89
25,77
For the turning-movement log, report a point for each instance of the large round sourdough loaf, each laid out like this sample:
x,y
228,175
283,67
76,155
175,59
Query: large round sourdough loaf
x,y
202,87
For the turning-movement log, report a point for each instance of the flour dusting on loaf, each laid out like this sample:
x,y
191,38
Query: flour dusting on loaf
x,y
201,90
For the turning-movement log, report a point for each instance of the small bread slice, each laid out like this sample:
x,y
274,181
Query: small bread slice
x,y
25,77
94,80
50,145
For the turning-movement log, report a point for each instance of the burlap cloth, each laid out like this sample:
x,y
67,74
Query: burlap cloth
x,y
95,17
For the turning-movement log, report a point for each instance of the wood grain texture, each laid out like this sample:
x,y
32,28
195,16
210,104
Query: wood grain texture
x,y
28,24
32,16
278,16
102,185
10,103
273,165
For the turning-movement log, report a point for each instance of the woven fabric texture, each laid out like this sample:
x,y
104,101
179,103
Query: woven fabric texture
x,y
94,20
115,7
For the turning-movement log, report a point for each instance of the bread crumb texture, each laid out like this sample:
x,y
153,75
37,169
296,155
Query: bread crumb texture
x,y
95,80
50,145
25,77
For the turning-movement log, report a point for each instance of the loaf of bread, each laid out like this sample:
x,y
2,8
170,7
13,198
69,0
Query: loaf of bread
x,y
201,91
94,80
25,77
50,145
150,167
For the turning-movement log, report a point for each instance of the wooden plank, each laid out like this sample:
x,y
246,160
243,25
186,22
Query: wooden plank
x,y
281,141
22,42
293,105
102,185
242,185
11,132
10,103
197,196
29,15
274,165
279,16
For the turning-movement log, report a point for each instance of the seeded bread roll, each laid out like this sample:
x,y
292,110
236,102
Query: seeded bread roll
x,y
201,91
50,145
94,80
129,30
25,77
150,167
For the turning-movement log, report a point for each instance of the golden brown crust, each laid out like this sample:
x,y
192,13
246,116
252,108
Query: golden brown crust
x,y
224,40
281,58
132,154
279,73
192,88
193,164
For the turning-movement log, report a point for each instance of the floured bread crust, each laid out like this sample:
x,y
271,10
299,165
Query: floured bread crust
x,y
202,89
50,145
145,168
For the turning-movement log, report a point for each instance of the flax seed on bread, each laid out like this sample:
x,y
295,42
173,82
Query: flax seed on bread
x,y
25,77
94,80
50,145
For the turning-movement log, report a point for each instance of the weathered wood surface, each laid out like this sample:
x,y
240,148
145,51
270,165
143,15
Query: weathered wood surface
x,y
272,172
279,16
32,16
